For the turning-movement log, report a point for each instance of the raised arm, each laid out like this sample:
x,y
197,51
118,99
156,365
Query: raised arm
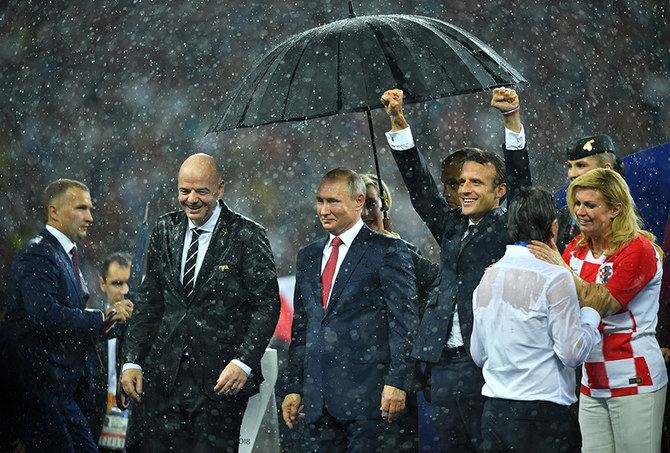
x,y
517,164
424,192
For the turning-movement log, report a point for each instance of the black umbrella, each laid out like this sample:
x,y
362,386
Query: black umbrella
x,y
346,65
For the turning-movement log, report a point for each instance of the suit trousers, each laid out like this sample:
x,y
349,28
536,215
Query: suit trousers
x,y
188,420
56,428
455,386
529,427
329,434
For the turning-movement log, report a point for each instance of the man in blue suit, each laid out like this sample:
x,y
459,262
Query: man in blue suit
x,y
471,238
355,313
48,334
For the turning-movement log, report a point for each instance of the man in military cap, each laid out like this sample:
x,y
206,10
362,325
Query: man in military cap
x,y
583,155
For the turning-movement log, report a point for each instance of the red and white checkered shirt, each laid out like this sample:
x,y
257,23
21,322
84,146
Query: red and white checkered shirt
x,y
628,359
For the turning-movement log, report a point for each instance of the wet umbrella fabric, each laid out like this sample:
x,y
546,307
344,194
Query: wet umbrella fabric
x,y
346,65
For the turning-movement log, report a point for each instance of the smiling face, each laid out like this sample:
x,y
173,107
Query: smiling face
x,y
477,192
70,213
336,208
199,188
593,215
372,213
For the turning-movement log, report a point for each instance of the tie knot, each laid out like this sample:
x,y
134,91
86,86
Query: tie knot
x,y
196,232
472,229
337,242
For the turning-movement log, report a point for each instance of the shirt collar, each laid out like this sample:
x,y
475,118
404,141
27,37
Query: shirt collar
x,y
64,241
349,235
208,227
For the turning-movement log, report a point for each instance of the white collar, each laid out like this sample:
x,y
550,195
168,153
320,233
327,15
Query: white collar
x,y
208,227
64,241
348,236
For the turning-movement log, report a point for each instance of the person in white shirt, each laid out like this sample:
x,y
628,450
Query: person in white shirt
x,y
528,336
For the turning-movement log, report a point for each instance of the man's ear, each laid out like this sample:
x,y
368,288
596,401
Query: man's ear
x,y
360,201
52,211
500,191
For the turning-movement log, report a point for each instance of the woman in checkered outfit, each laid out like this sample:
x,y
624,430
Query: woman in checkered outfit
x,y
616,265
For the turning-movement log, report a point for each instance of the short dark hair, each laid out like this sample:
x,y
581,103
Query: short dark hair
x,y
124,259
457,157
531,213
484,157
57,189
354,181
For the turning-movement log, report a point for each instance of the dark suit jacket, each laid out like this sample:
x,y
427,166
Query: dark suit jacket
x,y
232,313
47,334
96,414
341,359
461,268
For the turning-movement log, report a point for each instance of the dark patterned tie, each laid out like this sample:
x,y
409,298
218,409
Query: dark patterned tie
x,y
75,261
472,229
329,271
191,259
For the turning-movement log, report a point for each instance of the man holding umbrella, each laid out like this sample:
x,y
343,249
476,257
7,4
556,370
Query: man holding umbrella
x,y
471,238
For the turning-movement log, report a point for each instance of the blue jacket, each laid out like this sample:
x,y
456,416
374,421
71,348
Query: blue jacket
x,y
462,263
341,359
47,333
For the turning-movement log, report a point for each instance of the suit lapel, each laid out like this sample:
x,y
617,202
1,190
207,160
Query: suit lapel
x,y
312,273
176,248
67,265
351,260
214,252
481,226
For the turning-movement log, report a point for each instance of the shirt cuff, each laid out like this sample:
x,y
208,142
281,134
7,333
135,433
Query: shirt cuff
x,y
514,140
400,140
591,317
130,366
242,365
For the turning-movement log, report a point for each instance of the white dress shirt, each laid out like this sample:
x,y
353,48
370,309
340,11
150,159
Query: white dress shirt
x,y
203,241
347,238
528,331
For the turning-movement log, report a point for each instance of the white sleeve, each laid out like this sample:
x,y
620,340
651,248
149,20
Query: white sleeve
x,y
400,140
574,331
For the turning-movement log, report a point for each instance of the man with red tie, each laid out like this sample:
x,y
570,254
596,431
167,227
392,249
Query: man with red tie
x,y
355,314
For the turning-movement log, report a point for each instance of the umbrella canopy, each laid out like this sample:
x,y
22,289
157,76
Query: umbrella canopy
x,y
346,65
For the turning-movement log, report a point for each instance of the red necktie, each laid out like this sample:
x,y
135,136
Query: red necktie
x,y
329,271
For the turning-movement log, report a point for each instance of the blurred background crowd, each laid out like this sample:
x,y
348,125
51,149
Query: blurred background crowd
x,y
118,93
